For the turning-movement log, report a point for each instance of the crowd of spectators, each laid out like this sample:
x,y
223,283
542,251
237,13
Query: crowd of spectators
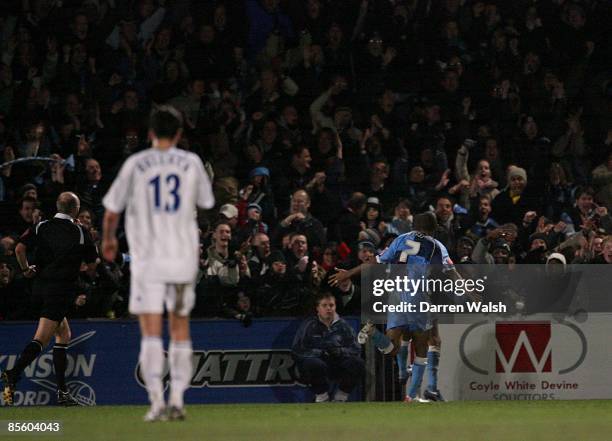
x,y
324,125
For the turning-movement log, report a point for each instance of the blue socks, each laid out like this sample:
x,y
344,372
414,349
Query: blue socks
x,y
382,342
402,360
433,360
418,370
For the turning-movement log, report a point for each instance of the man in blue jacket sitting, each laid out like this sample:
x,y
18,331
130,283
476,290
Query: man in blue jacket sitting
x,y
326,348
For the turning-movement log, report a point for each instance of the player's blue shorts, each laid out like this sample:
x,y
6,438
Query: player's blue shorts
x,y
412,328
413,320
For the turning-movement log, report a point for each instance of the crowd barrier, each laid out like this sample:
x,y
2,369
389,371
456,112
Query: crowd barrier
x,y
232,364
490,359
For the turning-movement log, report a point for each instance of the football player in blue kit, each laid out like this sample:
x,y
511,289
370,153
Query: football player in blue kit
x,y
420,252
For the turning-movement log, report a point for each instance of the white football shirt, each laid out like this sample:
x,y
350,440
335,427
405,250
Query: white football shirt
x,y
159,190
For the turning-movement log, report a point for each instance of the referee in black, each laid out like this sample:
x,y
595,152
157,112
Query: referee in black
x,y
60,245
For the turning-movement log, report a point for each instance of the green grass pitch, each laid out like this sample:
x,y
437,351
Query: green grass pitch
x,y
457,421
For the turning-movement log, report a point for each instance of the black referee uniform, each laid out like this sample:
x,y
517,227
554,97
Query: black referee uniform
x,y
60,245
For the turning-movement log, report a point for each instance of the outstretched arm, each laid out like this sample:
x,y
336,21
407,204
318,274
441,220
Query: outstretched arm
x,y
343,275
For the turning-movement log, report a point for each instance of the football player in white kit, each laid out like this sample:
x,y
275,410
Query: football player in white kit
x,y
160,189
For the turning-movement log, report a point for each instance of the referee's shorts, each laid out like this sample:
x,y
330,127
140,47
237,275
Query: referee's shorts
x,y
53,298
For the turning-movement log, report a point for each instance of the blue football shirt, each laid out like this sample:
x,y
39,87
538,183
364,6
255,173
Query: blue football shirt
x,y
419,253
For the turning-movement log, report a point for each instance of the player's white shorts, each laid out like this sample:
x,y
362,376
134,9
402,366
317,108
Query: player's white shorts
x,y
149,297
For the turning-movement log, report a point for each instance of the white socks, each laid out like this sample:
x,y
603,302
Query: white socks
x,y
180,356
152,367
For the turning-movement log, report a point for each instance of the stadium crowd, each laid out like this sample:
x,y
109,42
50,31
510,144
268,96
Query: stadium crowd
x,y
324,126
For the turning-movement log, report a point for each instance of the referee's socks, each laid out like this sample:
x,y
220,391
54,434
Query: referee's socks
x,y
29,354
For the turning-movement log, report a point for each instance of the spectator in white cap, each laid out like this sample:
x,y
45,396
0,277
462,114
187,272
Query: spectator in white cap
x,y
556,258
229,214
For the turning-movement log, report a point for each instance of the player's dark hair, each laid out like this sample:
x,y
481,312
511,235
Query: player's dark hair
x,y
425,223
165,122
